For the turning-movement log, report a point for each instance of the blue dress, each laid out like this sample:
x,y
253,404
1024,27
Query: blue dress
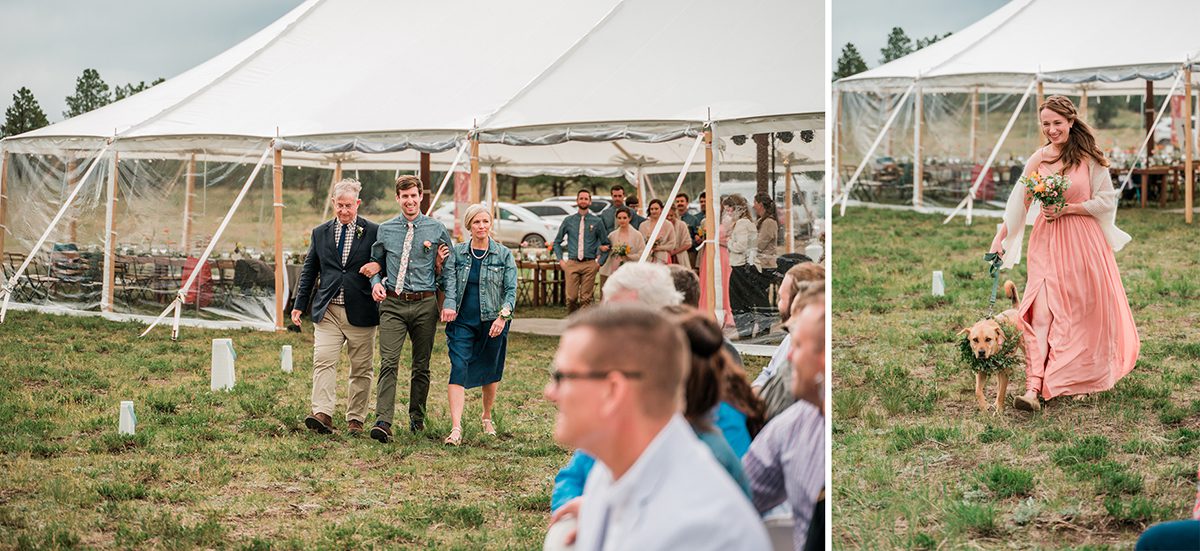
x,y
475,358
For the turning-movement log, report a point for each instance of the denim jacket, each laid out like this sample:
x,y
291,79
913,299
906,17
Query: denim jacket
x,y
497,278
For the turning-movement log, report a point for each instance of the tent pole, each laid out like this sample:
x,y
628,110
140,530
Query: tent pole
x,y
1041,95
187,205
337,177
974,123
871,150
425,176
837,146
662,219
473,192
1188,176
1083,110
280,291
3,198
918,158
1148,112
74,183
493,193
968,201
710,216
110,238
791,226
887,100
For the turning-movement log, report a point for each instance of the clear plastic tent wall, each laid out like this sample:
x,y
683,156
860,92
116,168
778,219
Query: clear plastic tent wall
x,y
951,162
166,208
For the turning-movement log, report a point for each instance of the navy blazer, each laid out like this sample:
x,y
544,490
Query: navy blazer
x,y
324,265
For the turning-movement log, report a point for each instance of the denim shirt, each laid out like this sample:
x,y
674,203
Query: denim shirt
x,y
497,278
593,237
389,245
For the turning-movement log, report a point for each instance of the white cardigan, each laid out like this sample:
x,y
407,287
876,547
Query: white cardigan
x,y
1102,206
743,242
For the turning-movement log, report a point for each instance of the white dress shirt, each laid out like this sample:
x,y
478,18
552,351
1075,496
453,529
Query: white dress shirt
x,y
675,496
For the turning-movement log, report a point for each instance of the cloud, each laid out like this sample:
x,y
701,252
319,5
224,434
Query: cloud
x,y
48,44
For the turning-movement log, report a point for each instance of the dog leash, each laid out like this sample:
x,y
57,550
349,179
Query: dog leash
x,y
994,262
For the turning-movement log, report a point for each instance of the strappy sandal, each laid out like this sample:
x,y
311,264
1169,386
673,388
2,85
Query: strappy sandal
x,y
488,429
455,437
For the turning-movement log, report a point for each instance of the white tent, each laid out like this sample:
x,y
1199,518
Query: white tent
x,y
1076,47
372,85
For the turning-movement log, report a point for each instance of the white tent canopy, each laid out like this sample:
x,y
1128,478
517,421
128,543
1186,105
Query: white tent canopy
x,y
1064,43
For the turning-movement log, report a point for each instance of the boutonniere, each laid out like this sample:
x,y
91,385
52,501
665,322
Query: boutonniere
x,y
358,232
427,245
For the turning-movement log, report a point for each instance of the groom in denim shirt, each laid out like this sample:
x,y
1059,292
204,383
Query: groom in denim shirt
x,y
408,246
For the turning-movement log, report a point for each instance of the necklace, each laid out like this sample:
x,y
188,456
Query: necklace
x,y
485,252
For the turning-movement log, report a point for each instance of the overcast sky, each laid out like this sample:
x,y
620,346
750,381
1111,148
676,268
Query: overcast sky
x,y
867,23
46,44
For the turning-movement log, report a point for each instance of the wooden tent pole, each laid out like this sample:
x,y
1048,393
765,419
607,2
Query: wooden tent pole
x,y
974,124
837,145
791,227
1083,108
280,291
1041,93
493,192
186,246
710,217
1189,145
918,157
110,242
473,192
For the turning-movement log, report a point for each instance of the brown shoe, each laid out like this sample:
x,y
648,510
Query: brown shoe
x,y
354,426
382,432
319,423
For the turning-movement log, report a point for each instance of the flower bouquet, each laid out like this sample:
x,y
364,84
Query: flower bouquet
x,y
1050,190
621,250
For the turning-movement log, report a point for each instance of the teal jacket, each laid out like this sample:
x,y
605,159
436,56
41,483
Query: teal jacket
x,y
497,280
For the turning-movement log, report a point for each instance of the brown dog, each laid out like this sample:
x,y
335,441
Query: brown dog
x,y
986,338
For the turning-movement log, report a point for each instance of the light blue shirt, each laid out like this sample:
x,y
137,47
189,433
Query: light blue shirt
x,y
593,237
420,277
675,496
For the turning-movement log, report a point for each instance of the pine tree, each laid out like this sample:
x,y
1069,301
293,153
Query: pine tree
x,y
23,115
122,92
898,46
851,62
923,42
91,92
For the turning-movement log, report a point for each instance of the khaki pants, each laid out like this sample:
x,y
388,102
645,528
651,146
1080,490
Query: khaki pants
x,y
328,338
581,280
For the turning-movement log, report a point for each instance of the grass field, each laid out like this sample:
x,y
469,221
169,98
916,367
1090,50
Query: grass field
x,y
916,466
237,469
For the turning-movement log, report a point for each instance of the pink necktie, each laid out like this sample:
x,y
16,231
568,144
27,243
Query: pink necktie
x,y
580,237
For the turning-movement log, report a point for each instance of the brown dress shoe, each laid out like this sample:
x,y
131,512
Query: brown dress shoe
x,y
354,426
382,432
319,423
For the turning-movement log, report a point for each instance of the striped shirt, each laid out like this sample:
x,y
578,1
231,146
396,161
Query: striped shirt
x,y
337,236
787,461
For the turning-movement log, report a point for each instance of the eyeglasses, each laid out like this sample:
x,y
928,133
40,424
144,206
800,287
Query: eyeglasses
x,y
557,376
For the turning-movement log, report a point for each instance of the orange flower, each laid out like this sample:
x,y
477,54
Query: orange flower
x,y
1039,188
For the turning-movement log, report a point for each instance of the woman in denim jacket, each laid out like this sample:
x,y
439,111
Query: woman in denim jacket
x,y
477,339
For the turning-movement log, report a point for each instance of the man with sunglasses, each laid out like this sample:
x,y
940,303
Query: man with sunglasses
x,y
655,485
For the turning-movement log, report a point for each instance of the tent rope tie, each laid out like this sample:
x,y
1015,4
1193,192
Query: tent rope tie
x,y
994,262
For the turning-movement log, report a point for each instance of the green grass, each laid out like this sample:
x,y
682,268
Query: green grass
x,y
917,466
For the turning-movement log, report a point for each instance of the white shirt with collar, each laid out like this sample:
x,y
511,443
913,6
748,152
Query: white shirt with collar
x,y
675,496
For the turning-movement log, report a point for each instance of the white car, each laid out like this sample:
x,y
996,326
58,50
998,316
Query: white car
x,y
551,210
513,226
599,202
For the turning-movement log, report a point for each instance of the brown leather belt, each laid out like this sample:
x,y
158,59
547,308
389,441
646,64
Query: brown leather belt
x,y
410,297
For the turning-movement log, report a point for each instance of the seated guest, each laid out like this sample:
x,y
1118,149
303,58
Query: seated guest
x,y
787,460
777,395
642,282
1182,535
654,486
702,389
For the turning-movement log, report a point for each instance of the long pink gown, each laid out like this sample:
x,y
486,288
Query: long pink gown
x,y
724,236
1078,329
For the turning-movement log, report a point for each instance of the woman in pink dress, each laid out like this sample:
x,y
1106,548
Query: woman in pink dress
x,y
705,259
1077,327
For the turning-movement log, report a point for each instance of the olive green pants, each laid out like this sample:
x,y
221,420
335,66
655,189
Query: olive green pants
x,y
416,320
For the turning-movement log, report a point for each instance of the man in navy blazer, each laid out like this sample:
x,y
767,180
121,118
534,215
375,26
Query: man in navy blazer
x,y
342,309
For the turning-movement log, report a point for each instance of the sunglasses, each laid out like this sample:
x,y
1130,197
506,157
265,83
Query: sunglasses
x,y
557,376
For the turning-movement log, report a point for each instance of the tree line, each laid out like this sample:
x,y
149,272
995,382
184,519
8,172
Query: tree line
x,y
898,46
91,92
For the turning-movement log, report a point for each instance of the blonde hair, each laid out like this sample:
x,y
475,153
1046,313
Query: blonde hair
x,y
472,212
